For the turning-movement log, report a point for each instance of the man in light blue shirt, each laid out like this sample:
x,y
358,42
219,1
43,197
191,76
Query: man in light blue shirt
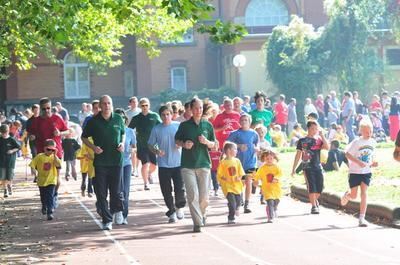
x,y
162,143
348,112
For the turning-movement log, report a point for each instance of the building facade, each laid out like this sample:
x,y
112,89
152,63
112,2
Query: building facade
x,y
190,64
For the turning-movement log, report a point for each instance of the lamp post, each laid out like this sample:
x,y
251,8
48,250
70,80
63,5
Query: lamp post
x,y
239,60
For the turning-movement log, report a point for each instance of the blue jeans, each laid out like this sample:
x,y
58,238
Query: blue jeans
x,y
108,179
349,128
47,197
214,180
125,187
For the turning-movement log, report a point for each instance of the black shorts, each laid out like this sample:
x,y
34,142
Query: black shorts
x,y
315,180
356,179
249,171
146,156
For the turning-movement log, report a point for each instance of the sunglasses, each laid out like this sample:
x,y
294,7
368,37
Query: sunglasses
x,y
50,150
144,106
46,108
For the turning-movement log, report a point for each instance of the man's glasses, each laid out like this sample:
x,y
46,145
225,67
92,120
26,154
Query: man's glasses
x,y
50,150
144,105
46,108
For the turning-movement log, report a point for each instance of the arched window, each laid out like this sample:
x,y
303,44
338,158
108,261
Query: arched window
x,y
76,77
266,13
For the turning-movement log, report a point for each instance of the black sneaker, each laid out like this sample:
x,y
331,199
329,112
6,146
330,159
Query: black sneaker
x,y
146,187
10,190
314,210
196,229
247,210
5,193
50,217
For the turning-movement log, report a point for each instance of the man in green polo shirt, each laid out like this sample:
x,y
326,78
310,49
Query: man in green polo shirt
x,y
196,136
107,130
144,123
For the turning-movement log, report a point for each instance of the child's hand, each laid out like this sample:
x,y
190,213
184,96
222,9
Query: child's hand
x,y
374,164
9,152
275,180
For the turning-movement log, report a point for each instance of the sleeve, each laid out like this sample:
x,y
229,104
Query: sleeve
x,y
240,169
256,138
33,163
88,129
212,133
216,122
351,148
278,172
15,144
61,125
259,173
153,138
179,133
220,172
57,162
133,137
132,124
232,137
299,145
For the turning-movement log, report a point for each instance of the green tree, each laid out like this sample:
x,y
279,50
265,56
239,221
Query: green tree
x,y
93,29
300,59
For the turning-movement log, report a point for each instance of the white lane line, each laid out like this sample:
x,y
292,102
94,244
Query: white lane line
x,y
237,250
122,250
359,251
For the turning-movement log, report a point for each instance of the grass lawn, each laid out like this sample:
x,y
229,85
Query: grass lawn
x,y
385,184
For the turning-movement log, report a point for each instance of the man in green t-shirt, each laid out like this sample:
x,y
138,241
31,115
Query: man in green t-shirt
x,y
144,123
108,132
196,136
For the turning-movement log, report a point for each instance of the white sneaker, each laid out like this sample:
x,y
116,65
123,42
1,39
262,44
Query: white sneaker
x,y
118,218
362,222
125,221
180,214
172,218
107,226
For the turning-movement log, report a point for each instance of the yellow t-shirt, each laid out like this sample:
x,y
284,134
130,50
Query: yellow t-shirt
x,y
86,156
265,174
278,138
47,169
229,176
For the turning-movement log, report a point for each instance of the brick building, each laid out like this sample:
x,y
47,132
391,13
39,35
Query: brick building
x,y
190,64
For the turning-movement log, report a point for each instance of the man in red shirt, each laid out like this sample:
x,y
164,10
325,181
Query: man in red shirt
x,y
281,113
226,122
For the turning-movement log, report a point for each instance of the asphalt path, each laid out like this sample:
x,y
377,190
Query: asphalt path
x,y
75,237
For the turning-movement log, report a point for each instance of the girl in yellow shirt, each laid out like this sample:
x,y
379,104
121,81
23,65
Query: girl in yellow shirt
x,y
270,174
229,175
86,157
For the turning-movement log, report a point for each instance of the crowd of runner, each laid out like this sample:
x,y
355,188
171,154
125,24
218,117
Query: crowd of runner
x,y
197,145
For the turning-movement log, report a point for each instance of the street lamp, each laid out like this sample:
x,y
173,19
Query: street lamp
x,y
239,60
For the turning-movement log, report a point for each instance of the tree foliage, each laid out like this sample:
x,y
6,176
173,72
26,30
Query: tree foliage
x,y
300,59
93,29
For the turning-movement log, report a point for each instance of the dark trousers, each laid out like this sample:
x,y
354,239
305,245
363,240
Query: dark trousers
x,y
214,180
47,197
233,204
125,187
165,176
89,185
108,179
271,208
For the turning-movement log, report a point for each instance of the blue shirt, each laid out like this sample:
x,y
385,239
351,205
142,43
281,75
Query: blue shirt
x,y
163,137
130,139
250,139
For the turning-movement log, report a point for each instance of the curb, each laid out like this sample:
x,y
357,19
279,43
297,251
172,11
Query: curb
x,y
387,214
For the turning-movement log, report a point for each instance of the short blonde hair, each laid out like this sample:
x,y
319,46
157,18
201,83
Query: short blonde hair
x,y
365,123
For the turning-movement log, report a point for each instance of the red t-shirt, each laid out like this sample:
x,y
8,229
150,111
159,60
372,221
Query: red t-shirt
x,y
375,106
43,129
215,158
222,119
281,113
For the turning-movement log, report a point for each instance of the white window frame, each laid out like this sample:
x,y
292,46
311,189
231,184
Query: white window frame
x,y
76,66
258,13
184,78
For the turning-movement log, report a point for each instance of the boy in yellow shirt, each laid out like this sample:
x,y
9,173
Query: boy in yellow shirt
x,y
86,157
229,176
270,174
48,167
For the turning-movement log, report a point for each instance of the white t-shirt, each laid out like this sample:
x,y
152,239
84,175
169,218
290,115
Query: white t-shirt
x,y
363,150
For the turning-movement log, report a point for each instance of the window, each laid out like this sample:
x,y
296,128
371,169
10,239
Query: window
x,y
266,13
393,57
178,78
186,38
128,83
76,77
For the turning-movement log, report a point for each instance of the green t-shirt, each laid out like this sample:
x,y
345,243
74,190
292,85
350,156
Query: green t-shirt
x,y
143,125
107,134
264,117
198,156
7,160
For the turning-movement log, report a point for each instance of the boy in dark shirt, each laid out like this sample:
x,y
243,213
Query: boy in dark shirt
x,y
70,146
335,157
309,150
8,149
